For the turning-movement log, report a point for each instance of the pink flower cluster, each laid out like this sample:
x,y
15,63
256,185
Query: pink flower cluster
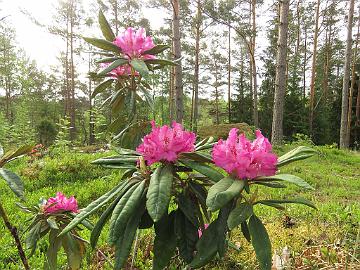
x,y
134,43
245,159
166,143
200,231
124,70
60,204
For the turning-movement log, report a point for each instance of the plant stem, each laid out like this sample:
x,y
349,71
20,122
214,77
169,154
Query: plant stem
x,y
15,235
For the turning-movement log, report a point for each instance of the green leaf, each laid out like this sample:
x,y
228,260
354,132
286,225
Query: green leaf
x,y
222,228
196,156
287,178
299,153
113,65
140,66
186,236
206,247
157,49
105,27
13,181
33,236
261,242
101,87
161,62
223,192
124,243
55,243
245,231
270,184
159,192
96,231
95,205
52,223
15,153
272,204
107,60
103,44
165,241
74,250
188,207
125,208
146,221
1,151
297,200
239,215
206,170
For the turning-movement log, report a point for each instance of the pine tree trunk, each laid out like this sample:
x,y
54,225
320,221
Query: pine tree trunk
x,y
229,74
177,55
196,68
304,64
345,89
91,110
254,73
352,85
313,69
216,94
280,79
72,74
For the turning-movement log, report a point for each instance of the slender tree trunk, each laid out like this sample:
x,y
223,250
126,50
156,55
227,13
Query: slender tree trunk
x,y
352,85
229,73
91,111
357,114
304,64
313,68
280,79
72,74
67,75
216,94
254,72
14,233
345,89
197,67
177,55
241,87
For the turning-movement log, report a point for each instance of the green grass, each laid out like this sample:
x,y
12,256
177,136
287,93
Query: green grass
x,y
335,174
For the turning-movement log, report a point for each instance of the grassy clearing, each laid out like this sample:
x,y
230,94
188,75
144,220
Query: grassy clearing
x,y
329,233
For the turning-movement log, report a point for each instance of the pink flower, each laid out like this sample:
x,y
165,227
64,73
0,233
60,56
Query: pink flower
x,y
134,43
124,70
166,143
60,204
245,159
200,231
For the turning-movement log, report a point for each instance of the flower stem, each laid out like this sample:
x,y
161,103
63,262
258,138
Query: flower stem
x,y
14,233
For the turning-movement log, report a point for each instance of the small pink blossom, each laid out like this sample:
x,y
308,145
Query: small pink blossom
x,y
245,159
60,204
134,43
200,231
124,70
166,143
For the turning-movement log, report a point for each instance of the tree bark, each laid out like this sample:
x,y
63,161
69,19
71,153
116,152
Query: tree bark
x,y
197,67
254,72
216,94
72,74
229,74
177,55
313,68
280,79
345,88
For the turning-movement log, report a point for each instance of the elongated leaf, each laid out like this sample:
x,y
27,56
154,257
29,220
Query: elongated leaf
x,y
206,247
186,236
270,184
116,160
13,181
107,60
206,170
222,228
55,243
124,243
188,207
9,155
74,250
146,221
157,49
239,215
245,231
105,27
33,236
197,156
113,65
159,192
101,87
297,200
125,208
223,192
287,178
96,231
298,153
165,241
140,66
261,242
103,44
272,204
95,205
161,62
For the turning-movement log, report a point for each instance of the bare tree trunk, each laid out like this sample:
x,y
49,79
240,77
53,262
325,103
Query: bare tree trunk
x,y
67,75
352,85
254,73
229,74
280,79
91,112
177,55
216,94
345,88
72,74
313,68
304,64
196,67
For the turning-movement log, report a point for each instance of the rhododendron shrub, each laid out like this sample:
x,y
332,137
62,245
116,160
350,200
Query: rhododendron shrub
x,y
192,194
48,220
129,58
